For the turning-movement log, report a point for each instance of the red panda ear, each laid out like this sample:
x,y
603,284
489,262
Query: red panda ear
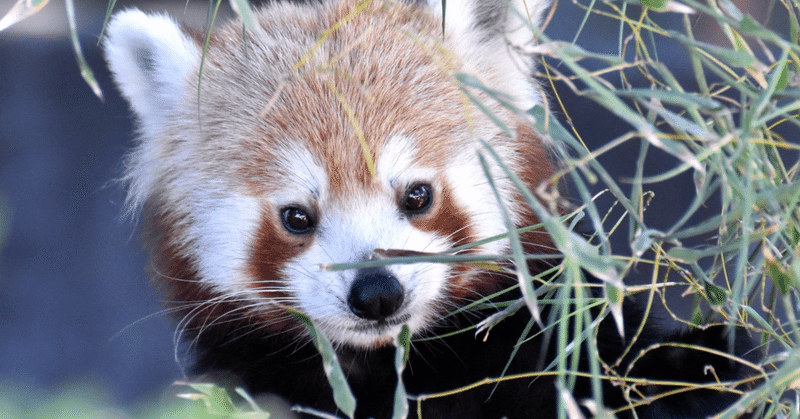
x,y
488,34
150,58
504,16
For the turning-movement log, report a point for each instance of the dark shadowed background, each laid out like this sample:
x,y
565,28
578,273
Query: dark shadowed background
x,y
76,305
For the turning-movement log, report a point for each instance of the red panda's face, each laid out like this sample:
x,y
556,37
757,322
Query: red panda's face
x,y
407,208
290,154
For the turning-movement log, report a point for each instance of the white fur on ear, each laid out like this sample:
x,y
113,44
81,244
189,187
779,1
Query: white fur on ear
x,y
486,33
518,32
150,58
465,15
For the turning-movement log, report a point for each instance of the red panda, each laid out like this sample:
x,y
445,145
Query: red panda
x,y
336,131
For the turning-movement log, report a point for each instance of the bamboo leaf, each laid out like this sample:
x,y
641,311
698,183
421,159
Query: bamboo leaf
x,y
86,71
523,272
673,96
783,78
245,12
684,254
654,4
779,275
714,294
575,248
732,57
614,296
215,398
21,10
403,346
342,394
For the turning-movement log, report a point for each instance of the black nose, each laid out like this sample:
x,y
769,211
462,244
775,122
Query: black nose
x,y
375,294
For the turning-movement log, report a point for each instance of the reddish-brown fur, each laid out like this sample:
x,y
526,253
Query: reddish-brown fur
x,y
360,72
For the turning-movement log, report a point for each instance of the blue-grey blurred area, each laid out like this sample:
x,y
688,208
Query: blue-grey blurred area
x,y
76,304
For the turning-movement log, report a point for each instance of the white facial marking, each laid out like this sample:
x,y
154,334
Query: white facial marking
x,y
472,191
303,178
222,228
396,165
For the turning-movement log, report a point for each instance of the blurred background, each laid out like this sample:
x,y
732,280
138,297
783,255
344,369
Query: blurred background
x,y
76,306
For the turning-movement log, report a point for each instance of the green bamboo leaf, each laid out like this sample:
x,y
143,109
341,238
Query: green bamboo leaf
x,y
614,296
750,25
735,58
523,272
796,273
86,71
245,12
779,77
560,135
403,346
673,96
574,247
488,323
794,235
783,77
642,241
731,9
576,53
684,254
109,10
696,317
794,27
444,14
714,294
21,10
342,394
732,57
654,4
610,100
779,275
683,125
215,398
570,405
257,411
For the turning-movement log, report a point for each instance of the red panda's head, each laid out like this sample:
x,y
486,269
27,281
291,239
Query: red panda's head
x,y
333,132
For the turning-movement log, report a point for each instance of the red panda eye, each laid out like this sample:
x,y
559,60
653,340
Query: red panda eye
x,y
296,220
418,198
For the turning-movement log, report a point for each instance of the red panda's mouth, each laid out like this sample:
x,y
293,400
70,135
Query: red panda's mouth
x,y
381,326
